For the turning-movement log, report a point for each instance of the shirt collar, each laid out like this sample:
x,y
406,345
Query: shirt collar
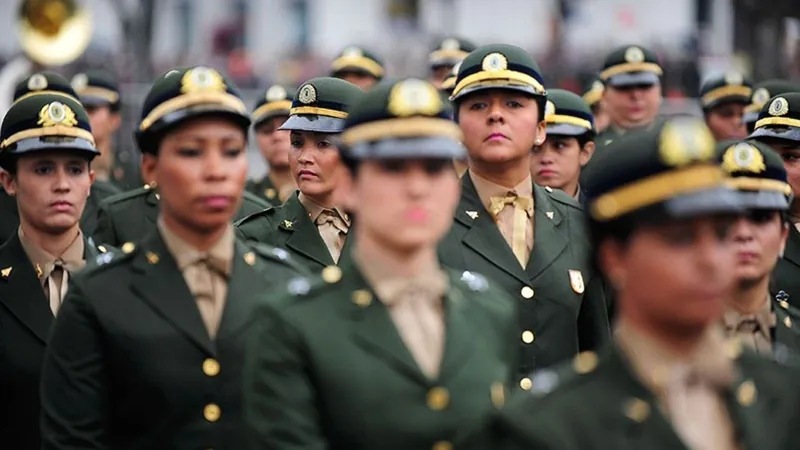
x,y
488,189
314,209
185,254
764,316
388,285
40,257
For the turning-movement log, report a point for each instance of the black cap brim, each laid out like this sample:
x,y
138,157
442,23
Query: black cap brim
x,y
92,101
728,100
484,87
750,117
49,143
409,148
444,62
633,79
763,200
565,129
261,119
313,122
778,132
148,139
722,200
353,69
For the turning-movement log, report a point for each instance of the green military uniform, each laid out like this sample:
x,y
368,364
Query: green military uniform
x,y
51,82
98,89
300,394
562,303
321,107
10,214
26,315
760,178
780,119
129,216
359,60
153,373
275,101
761,93
718,90
628,66
602,401
568,115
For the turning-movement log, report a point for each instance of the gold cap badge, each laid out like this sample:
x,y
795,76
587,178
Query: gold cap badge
x,y
276,93
352,52
80,82
494,62
56,113
734,78
549,109
778,107
743,157
451,44
684,141
634,55
413,97
760,96
37,82
202,79
307,94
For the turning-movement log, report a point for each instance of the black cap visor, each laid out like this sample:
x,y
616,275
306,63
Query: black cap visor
x,y
722,200
628,79
313,122
93,101
498,84
45,143
728,100
771,200
778,132
409,148
750,117
565,129
148,139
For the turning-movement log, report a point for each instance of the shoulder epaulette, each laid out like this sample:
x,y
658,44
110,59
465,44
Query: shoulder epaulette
x,y
123,196
269,211
110,257
276,254
253,199
561,197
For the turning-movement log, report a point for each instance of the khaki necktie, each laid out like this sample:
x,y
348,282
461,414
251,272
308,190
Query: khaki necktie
x,y
523,208
753,331
56,276
332,228
199,276
416,308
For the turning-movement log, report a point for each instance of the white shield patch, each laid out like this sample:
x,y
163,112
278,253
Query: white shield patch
x,y
576,281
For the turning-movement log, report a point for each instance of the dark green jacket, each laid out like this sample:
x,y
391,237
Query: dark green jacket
x,y
265,190
786,276
25,321
288,226
327,369
786,333
126,173
130,363
101,190
565,317
130,216
9,216
610,409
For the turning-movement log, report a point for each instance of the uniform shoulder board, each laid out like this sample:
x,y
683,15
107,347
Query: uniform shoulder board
x,y
268,212
561,197
276,254
126,196
475,281
109,257
249,197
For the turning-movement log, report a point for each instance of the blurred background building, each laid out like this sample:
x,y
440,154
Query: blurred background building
x,y
257,42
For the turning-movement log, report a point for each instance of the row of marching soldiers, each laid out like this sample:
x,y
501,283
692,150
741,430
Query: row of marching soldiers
x,y
568,290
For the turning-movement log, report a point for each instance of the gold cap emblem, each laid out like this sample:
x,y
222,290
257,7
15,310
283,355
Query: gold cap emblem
x,y
352,52
494,62
414,97
598,85
743,157
760,96
307,94
450,44
734,78
56,113
685,140
778,107
37,82
202,79
634,55
276,93
549,109
80,82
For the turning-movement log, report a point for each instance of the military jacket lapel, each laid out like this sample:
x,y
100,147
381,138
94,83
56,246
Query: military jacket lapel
x,y
792,252
458,334
21,291
245,281
304,237
152,207
157,281
482,235
549,240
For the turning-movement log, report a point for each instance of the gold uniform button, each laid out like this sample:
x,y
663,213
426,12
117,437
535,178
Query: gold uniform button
x,y
211,367
438,398
212,412
528,337
527,292
526,384
442,445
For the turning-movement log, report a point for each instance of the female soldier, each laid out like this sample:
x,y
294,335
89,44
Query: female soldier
x,y
661,217
146,353
390,351
270,112
310,224
763,322
50,179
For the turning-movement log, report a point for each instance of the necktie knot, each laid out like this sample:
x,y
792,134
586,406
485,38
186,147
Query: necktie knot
x,y
425,288
748,324
213,263
497,203
332,218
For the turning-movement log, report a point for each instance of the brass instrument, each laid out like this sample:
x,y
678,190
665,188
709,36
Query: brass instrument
x,y
54,32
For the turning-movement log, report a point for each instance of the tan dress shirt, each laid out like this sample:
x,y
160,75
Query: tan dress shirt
x,y
206,273
512,210
754,331
53,271
417,309
333,224
690,388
